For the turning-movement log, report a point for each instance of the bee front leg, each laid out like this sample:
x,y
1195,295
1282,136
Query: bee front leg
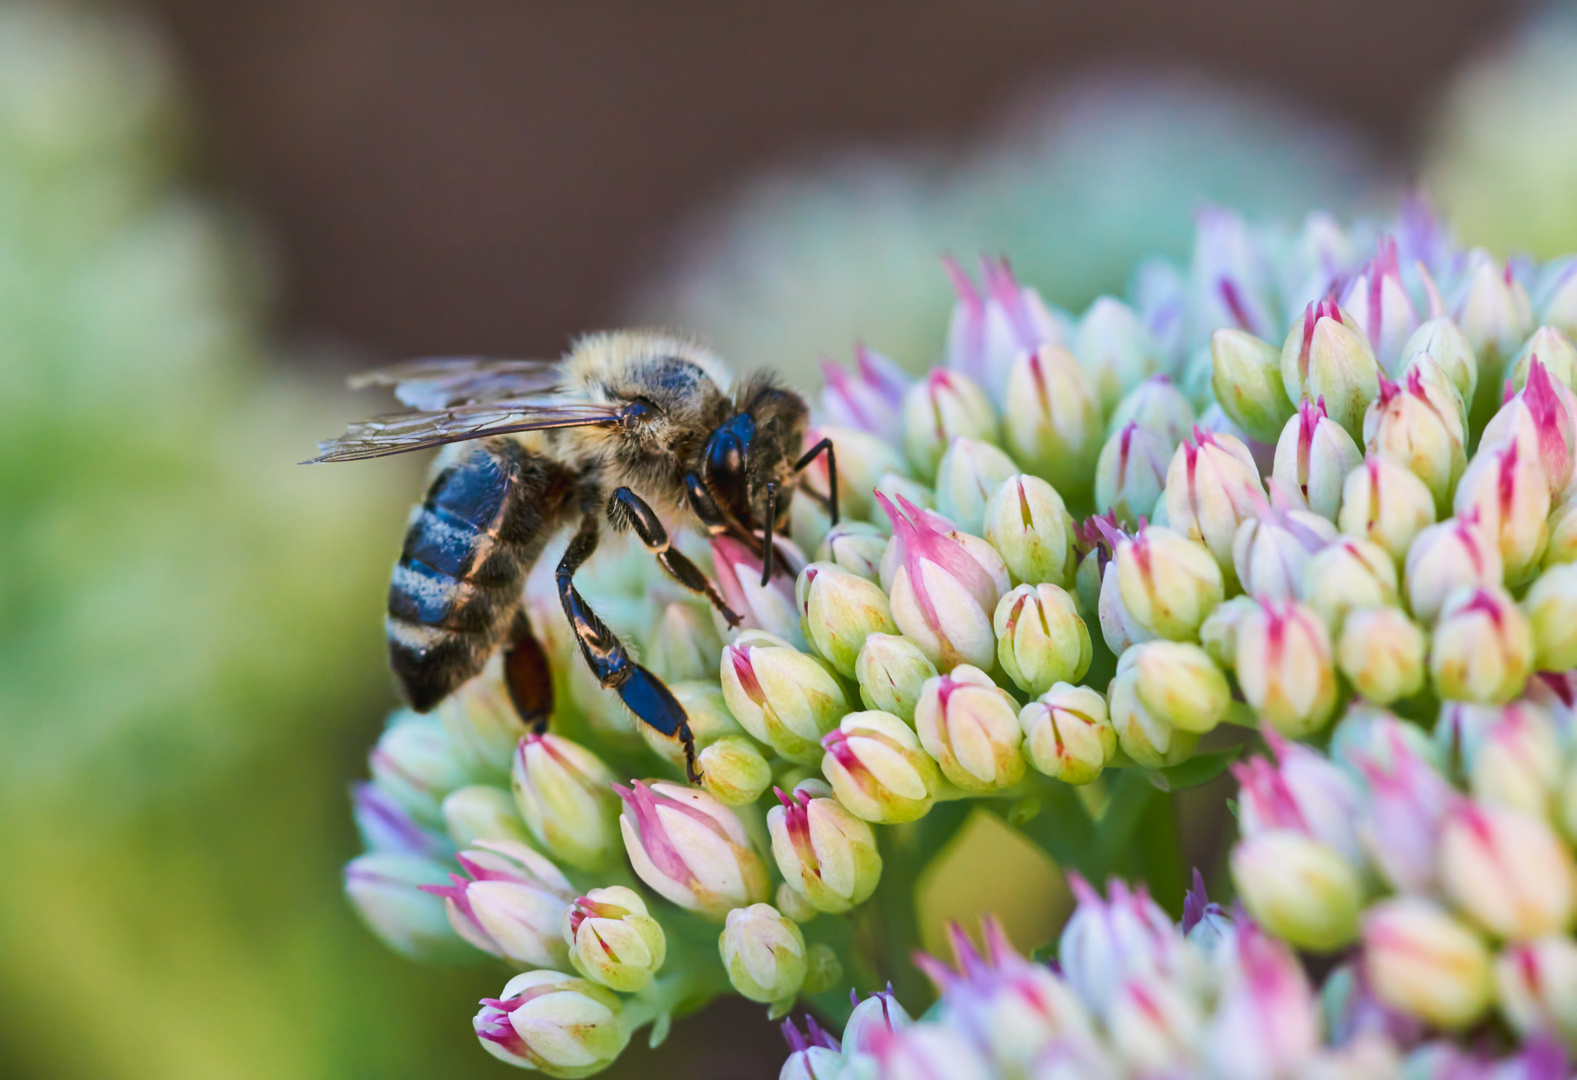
x,y
627,509
642,692
824,447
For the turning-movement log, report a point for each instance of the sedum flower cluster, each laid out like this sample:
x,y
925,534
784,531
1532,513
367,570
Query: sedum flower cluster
x,y
1314,466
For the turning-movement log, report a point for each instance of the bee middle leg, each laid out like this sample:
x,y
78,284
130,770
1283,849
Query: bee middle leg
x,y
527,675
642,692
627,509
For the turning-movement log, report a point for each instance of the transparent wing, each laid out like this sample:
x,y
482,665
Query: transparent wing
x,y
441,382
401,433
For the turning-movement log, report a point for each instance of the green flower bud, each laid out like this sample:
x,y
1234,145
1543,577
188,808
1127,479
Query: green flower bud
x,y
613,940
1168,584
823,969
969,472
1385,503
1482,648
683,644
482,812
1444,558
1156,405
733,770
416,764
1327,356
1313,456
1424,963
891,672
838,610
855,546
1151,741
1115,349
1040,638
824,852
1028,525
1130,475
1381,651
1298,888
1067,734
1248,383
1053,420
791,902
1444,343
1178,683
1562,525
1285,670
938,409
564,795
1212,487
1218,634
878,769
1551,608
779,695
1346,574
969,725
764,955
1553,349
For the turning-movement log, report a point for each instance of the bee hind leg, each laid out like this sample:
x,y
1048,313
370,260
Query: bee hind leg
x,y
527,675
642,692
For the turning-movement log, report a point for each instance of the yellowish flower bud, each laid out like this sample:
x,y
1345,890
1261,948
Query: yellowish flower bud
x,y
1386,504
564,795
939,408
1026,522
1313,457
1285,670
1482,648
1327,356
733,770
1152,741
878,769
1040,638
838,610
1067,734
1212,487
969,725
1508,871
1348,573
1381,651
1052,419
891,672
1445,557
1551,608
969,472
1178,683
824,852
1508,491
1168,584
613,939
1444,343
1298,888
781,696
1424,963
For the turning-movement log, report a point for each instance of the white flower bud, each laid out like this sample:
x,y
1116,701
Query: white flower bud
x,y
838,610
824,852
1417,423
1177,683
764,955
856,546
1067,734
1168,583
938,409
1156,405
781,696
565,798
1131,473
1327,356
1040,638
1495,315
512,905
969,472
1212,487
1052,419
613,939
386,889
1151,741
1482,648
1381,651
1115,349
1445,557
868,398
1272,548
1285,670
1218,634
1537,984
1314,454
1378,302
415,763
1508,871
683,644
1422,962
1026,522
1506,488
1442,341
482,812
969,725
891,672
563,1025
1386,504
1551,608
878,769
1348,573
690,848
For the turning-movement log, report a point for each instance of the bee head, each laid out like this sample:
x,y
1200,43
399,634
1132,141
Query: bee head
x,y
754,451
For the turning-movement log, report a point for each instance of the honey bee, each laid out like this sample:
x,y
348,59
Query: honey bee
x,y
627,430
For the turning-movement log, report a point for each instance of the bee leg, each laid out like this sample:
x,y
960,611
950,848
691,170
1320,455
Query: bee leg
x,y
527,676
628,510
642,692
704,506
832,473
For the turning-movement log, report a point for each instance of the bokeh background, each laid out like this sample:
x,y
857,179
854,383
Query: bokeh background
x,y
209,212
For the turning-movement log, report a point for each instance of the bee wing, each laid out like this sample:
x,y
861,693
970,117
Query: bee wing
x,y
400,433
444,381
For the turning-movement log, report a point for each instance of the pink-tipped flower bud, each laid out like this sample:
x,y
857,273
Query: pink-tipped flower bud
x,y
1482,648
613,939
1285,669
1150,739
1156,1024
1156,405
1067,733
1381,651
1212,487
1052,420
1378,302
1314,454
1384,503
559,1024
1272,548
387,890
1539,418
878,769
1267,1020
768,607
781,696
1408,801
855,546
1495,315
1302,791
945,587
764,955
1442,340
1508,491
1246,379
1537,987
1553,348
1510,753
1422,962
1445,557
511,906
891,672
814,1056
1347,573
1040,638
1116,349
562,791
1298,888
1326,355
994,324
969,472
1168,583
1028,525
939,408
1230,275
1131,473
1177,683
969,725
838,610
1507,870
1417,423
1098,575
690,848
867,398
1110,941
823,851
873,1022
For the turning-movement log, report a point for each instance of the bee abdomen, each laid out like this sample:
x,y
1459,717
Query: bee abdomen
x,y
457,584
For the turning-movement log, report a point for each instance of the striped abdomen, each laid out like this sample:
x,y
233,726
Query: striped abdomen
x,y
471,542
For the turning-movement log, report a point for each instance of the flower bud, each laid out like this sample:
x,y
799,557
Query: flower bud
x,y
925,1052
733,770
1381,651
1557,294
1267,1021
878,770
779,695
873,1022
1422,962
1416,423
1515,760
938,409
1248,384
1445,557
707,713
1052,419
1115,349
891,671
945,587
512,905
1131,473
1508,491
1177,683
768,607
855,546
1537,984
863,459
1441,340
1067,734
867,398
1168,583
993,325
1152,741
824,852
815,1058
1507,870
1155,1023
1156,405
385,825
764,955
1495,315
1482,648
1540,419
482,812
969,472
560,1024
1378,302
1124,938
1551,608
613,940
1347,573
969,725
1040,638
1211,487
690,848
385,888
1304,792
1028,525
1408,800
1298,888
1313,457
562,791
837,611
1562,525
1551,347
1284,668
1327,356
482,726
683,644
415,764
1271,549
791,902
1230,274
1218,634
1386,504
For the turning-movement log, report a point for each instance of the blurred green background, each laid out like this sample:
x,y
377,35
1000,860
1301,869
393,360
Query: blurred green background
x,y
209,213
